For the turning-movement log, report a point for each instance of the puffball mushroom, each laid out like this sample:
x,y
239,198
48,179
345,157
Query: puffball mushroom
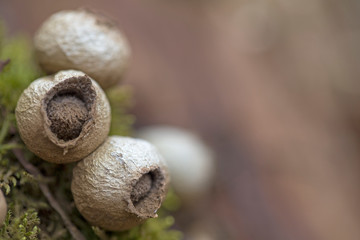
x,y
64,117
85,41
3,208
121,184
191,163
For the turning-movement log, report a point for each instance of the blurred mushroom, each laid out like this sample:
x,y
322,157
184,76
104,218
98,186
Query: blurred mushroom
x,y
191,163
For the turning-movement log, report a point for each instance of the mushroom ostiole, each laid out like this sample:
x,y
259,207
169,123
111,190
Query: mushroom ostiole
x,y
142,188
68,107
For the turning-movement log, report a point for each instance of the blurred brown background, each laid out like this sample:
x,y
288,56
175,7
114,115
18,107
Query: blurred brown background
x,y
271,85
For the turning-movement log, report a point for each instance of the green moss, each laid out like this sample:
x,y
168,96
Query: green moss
x,y
153,229
120,99
30,216
21,70
22,227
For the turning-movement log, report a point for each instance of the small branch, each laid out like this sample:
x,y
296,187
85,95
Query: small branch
x,y
9,146
75,233
4,63
4,128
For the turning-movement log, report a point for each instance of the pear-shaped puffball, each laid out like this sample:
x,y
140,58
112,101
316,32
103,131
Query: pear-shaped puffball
x,y
63,118
121,184
85,41
191,163
3,208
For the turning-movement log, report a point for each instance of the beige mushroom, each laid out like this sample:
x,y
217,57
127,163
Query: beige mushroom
x,y
191,162
85,41
64,117
121,184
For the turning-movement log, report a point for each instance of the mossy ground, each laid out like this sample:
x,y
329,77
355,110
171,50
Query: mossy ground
x,y
30,215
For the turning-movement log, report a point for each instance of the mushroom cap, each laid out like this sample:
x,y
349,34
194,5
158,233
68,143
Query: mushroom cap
x,y
3,208
85,41
105,182
34,124
191,162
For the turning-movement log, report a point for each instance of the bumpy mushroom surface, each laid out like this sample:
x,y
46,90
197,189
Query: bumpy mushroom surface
x,y
3,208
121,184
85,41
64,117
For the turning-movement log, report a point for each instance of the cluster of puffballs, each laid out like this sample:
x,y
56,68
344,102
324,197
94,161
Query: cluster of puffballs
x,y
118,182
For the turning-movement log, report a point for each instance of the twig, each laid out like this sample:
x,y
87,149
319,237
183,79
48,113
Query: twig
x,y
4,63
4,128
9,146
75,233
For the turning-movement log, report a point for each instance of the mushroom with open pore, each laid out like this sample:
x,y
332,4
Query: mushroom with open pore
x,y
64,117
121,184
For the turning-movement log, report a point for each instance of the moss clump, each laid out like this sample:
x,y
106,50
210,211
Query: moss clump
x,y
23,227
153,229
30,215
120,99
